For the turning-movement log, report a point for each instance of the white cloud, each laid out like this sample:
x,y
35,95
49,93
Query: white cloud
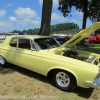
x,y
80,14
24,22
2,13
35,22
25,13
4,24
9,4
57,17
73,20
13,19
78,22
40,2
38,18
55,2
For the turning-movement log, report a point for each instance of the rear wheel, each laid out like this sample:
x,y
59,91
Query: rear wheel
x,y
3,62
64,80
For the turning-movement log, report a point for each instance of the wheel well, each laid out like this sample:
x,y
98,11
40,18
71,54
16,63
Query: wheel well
x,y
49,75
3,57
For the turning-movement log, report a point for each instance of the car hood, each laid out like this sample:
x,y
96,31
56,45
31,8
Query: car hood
x,y
80,36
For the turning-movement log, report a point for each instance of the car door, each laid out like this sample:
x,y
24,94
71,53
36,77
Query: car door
x,y
11,50
27,57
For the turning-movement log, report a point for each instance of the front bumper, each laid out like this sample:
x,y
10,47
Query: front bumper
x,y
94,84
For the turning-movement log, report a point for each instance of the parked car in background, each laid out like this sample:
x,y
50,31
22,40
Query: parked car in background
x,y
2,38
67,66
62,38
94,39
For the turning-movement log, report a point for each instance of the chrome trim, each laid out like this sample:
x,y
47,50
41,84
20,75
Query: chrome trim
x,y
2,61
95,83
62,79
98,75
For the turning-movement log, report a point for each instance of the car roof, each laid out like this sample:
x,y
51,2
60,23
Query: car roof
x,y
29,36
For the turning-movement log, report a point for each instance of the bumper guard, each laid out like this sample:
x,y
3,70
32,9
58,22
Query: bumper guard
x,y
94,84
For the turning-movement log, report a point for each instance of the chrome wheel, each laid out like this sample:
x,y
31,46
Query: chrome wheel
x,y
62,79
2,60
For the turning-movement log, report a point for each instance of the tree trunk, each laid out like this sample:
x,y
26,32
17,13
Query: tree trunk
x,y
98,19
46,17
84,21
85,14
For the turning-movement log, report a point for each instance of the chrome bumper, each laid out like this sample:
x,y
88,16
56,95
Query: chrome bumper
x,y
94,84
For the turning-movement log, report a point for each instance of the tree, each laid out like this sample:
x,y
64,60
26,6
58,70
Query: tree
x,y
84,6
46,17
15,31
94,14
53,28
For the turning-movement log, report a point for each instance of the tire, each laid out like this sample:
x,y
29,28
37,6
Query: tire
x,y
64,80
3,62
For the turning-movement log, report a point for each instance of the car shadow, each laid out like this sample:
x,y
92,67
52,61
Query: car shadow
x,y
6,70
13,68
82,92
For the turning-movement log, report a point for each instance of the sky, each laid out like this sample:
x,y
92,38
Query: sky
x,y
26,14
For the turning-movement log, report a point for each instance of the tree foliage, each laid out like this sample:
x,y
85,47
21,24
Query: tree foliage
x,y
53,28
85,6
94,13
63,27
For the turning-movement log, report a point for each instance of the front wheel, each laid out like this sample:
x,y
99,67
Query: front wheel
x,y
3,62
64,80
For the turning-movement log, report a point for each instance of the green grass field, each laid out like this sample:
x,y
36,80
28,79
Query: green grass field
x,y
91,48
1,41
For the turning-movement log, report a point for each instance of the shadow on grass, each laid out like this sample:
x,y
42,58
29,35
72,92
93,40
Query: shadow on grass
x,y
6,70
13,68
82,92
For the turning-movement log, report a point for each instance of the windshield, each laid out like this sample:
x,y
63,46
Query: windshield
x,y
46,43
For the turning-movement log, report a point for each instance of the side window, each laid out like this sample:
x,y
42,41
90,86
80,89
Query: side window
x,y
14,42
24,44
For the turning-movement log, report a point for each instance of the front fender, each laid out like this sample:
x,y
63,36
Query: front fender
x,y
82,74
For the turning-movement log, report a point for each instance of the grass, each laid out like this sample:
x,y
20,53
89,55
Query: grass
x,y
20,82
18,88
91,48
1,41
4,92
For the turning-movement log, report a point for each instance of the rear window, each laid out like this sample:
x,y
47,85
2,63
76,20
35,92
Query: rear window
x,y
14,42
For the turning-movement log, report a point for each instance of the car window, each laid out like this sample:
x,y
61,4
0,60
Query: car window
x,y
26,44
14,42
47,43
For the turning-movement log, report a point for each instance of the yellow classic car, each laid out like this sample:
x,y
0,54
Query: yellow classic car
x,y
67,66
